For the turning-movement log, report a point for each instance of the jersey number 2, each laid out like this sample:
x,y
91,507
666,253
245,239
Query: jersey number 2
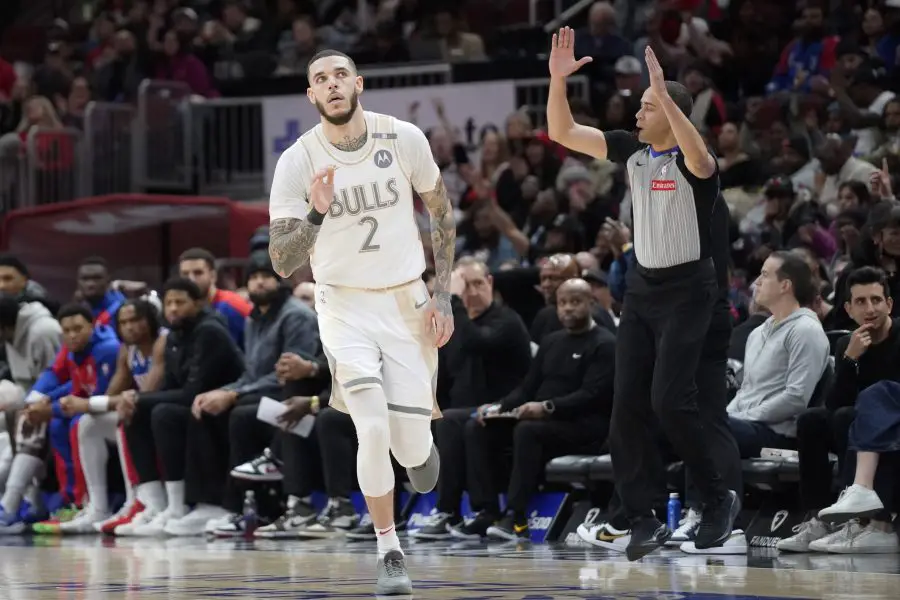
x,y
367,245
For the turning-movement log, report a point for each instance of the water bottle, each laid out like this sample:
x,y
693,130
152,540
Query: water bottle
x,y
250,516
673,511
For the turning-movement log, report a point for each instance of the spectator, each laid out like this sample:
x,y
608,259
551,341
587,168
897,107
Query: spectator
x,y
296,56
457,45
178,63
199,266
811,53
305,292
785,359
562,406
76,103
487,357
84,370
867,356
200,356
15,281
838,165
601,41
118,78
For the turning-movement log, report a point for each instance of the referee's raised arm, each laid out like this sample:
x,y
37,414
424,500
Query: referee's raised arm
x,y
561,127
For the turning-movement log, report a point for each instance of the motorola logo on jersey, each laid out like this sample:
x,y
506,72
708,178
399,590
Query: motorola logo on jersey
x,y
365,198
383,159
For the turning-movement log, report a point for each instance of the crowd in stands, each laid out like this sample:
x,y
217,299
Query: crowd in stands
x,y
796,99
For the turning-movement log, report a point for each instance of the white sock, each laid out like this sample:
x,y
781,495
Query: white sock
x,y
130,491
6,459
23,470
93,431
175,492
33,495
387,540
152,495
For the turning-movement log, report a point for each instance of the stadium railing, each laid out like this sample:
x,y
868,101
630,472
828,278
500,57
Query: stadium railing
x,y
174,142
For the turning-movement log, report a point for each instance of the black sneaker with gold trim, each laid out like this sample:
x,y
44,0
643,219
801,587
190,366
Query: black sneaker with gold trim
x,y
510,529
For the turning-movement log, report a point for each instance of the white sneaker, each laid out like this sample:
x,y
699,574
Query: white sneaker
x,y
605,535
735,544
265,467
804,534
194,522
687,529
157,526
853,538
84,522
214,524
854,502
142,518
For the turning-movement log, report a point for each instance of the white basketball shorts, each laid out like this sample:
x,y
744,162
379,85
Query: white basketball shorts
x,y
380,338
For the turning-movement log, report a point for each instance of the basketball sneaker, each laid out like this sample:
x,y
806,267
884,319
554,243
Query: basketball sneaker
x,y
735,544
437,526
510,529
393,579
604,535
687,529
84,522
265,467
805,533
10,523
475,528
140,519
424,477
124,516
52,525
336,519
299,515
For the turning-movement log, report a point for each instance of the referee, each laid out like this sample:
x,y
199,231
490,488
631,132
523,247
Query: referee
x,y
669,300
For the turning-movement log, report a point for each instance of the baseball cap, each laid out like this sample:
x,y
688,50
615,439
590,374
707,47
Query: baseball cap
x,y
628,65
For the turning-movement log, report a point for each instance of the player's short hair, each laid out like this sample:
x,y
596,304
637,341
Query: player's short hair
x,y
795,269
326,54
75,309
143,310
14,262
198,254
867,276
183,284
9,311
94,260
681,96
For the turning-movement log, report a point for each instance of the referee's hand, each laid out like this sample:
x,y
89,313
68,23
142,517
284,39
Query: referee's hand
x,y
562,54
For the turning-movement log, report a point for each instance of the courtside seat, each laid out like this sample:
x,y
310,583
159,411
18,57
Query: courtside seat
x,y
571,469
768,473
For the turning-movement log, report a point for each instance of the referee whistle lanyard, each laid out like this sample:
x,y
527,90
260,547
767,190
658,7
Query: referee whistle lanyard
x,y
672,150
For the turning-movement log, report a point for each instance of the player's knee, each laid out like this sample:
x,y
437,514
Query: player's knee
x,y
87,426
412,446
373,434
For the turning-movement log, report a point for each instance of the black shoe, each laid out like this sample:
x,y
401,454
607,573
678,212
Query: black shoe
x,y
362,533
508,530
475,528
647,534
437,526
718,521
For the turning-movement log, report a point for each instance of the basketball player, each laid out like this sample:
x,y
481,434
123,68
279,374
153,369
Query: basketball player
x,y
140,365
342,199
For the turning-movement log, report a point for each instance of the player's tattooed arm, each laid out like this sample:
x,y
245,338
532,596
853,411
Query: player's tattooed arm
x,y
290,242
443,241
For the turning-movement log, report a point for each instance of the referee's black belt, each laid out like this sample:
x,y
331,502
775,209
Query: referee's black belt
x,y
681,271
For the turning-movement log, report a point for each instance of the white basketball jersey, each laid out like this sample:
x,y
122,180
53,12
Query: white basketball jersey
x,y
369,238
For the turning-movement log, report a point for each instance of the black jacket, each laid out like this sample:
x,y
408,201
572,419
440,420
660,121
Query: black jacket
x,y
200,356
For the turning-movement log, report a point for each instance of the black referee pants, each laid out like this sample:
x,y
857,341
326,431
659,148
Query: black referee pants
x,y
662,332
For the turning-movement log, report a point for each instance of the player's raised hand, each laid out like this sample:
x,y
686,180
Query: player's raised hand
x,y
439,315
562,54
321,193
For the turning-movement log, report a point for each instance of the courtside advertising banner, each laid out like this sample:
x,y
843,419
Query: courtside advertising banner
x,y
470,108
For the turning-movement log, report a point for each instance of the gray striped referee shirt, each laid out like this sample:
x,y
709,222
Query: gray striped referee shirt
x,y
672,207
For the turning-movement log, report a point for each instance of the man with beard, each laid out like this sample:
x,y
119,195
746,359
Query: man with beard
x,y
199,265
840,166
279,325
380,327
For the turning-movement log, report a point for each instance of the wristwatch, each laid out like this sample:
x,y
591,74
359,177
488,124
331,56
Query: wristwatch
x,y
549,407
854,363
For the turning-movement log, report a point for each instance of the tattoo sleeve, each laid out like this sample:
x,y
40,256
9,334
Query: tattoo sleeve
x,y
290,243
443,241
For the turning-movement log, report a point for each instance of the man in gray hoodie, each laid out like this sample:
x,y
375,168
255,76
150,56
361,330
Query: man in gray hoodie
x,y
785,359
32,337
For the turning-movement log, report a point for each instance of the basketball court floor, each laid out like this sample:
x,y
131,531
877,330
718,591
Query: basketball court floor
x,y
93,569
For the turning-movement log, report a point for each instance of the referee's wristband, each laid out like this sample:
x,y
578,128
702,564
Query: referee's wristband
x,y
314,216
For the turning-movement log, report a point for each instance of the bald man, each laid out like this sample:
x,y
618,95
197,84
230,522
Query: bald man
x,y
562,407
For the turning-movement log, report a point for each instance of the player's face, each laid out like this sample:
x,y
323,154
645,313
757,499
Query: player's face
x,y
334,88
179,307
12,283
132,328
651,120
868,304
573,308
479,292
93,281
262,287
76,332
199,272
